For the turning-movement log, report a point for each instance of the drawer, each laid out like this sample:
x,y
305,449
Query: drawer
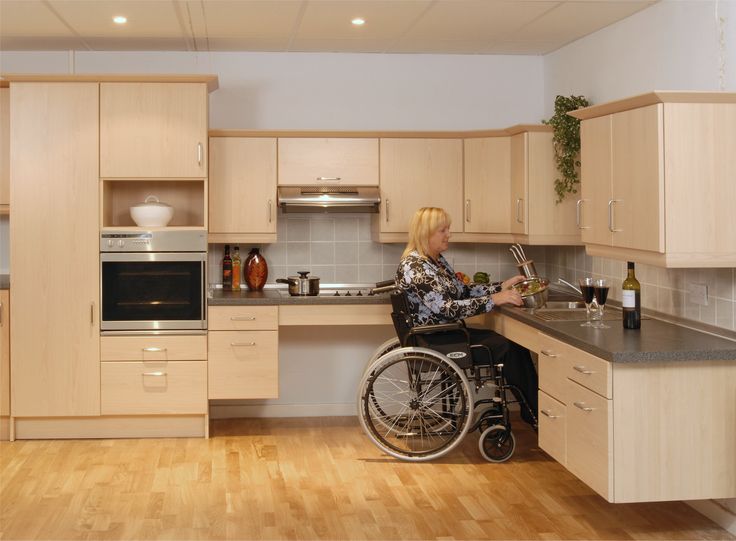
x,y
243,318
590,439
243,364
552,427
175,387
153,348
554,367
592,372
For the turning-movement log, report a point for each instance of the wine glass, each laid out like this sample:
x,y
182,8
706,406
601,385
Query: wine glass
x,y
586,287
600,291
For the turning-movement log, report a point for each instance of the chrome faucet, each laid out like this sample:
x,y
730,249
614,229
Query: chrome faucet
x,y
568,284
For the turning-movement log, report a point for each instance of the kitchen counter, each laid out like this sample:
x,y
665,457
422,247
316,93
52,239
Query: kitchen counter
x,y
4,281
656,340
281,297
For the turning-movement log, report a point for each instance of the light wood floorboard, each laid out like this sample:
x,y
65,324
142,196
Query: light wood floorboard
x,y
308,479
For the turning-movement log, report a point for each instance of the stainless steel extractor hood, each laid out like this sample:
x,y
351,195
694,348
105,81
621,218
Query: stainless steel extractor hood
x,y
329,198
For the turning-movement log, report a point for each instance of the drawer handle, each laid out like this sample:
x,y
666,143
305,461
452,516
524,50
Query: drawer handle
x,y
548,353
582,406
242,318
243,344
583,370
549,414
329,179
154,350
155,374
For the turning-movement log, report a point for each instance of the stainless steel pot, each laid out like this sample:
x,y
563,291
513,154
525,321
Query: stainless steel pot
x,y
301,285
537,299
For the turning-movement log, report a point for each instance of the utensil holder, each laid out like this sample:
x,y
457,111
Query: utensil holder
x,y
527,268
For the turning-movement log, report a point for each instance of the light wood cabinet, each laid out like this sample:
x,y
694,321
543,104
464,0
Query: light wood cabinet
x,y
4,149
243,352
323,161
55,343
242,189
4,364
153,130
536,217
657,178
487,185
417,173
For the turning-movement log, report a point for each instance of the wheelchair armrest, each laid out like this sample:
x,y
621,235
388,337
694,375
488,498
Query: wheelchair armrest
x,y
441,328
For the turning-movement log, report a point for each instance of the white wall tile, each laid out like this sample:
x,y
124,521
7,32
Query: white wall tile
x,y
346,253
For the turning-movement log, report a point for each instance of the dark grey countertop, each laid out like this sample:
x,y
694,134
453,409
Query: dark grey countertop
x,y
4,281
655,341
282,297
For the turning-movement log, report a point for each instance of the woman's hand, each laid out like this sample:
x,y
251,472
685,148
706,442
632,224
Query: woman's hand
x,y
511,281
507,296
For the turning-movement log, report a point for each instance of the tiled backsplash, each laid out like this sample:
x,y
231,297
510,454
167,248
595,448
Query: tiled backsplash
x,y
662,290
338,248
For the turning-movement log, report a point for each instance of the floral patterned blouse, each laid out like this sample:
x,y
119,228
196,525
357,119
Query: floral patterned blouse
x,y
436,295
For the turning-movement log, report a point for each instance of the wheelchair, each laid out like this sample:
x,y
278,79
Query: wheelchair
x,y
420,391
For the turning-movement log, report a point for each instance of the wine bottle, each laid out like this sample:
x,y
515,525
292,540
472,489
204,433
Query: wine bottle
x,y
236,268
631,299
227,269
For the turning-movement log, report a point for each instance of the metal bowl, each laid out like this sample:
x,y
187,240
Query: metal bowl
x,y
537,299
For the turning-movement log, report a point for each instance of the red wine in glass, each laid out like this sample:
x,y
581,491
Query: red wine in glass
x,y
588,293
601,294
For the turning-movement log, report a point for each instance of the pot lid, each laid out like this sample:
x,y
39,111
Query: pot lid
x,y
303,276
152,201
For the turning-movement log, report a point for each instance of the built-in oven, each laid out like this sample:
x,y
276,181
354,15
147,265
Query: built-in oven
x,y
153,281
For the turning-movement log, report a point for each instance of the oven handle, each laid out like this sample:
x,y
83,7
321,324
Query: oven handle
x,y
136,257
203,308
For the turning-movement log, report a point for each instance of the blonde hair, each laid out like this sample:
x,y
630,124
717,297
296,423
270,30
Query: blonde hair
x,y
423,224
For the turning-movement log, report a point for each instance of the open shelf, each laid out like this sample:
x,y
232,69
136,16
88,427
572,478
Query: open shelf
x,y
188,197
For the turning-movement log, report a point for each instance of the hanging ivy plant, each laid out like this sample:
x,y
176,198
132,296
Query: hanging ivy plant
x,y
566,141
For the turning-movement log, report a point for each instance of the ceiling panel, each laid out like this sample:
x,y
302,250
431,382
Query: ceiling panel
x,y
28,19
273,21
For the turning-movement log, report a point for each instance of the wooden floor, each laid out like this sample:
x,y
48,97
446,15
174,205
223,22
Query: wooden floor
x,y
308,479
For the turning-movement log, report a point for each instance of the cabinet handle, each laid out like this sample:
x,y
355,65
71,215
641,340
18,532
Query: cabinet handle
x,y
154,374
578,214
519,218
1,314
154,350
583,370
242,318
330,179
549,414
92,313
611,227
242,344
467,210
548,353
270,210
386,210
582,406
199,153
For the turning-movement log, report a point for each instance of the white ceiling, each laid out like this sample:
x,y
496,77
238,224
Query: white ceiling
x,y
392,26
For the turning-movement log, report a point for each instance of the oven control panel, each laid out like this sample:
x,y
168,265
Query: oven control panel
x,y
154,241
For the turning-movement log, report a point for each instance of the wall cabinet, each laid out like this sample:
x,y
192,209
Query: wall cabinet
x,y
324,161
487,185
535,216
242,189
4,364
4,149
153,130
417,173
55,167
243,352
657,179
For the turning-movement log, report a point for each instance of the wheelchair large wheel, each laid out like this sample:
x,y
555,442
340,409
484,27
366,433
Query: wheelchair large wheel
x,y
497,443
389,345
415,404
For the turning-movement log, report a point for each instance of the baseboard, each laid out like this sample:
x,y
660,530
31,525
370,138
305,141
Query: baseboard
x,y
234,411
716,512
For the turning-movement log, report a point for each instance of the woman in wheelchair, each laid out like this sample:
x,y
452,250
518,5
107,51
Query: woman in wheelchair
x,y
415,398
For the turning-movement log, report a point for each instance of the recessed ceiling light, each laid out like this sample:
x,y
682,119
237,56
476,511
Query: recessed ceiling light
x,y
119,19
358,21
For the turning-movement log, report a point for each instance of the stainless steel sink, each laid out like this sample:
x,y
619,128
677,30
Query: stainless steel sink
x,y
563,305
570,311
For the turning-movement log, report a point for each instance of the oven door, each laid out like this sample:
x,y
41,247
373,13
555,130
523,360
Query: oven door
x,y
153,291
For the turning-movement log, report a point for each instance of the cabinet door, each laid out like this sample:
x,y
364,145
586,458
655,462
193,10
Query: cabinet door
x,y
519,183
487,185
595,184
638,179
55,343
243,364
242,185
4,148
419,173
153,130
325,161
4,358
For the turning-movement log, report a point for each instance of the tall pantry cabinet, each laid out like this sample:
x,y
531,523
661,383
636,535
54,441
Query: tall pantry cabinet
x,y
54,249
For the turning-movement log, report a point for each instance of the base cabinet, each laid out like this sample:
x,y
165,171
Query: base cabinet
x,y
4,364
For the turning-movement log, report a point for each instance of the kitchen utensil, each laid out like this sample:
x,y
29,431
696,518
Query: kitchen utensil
x,y
302,285
527,268
152,213
534,292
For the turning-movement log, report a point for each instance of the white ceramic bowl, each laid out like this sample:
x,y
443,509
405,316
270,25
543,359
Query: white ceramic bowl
x,y
152,213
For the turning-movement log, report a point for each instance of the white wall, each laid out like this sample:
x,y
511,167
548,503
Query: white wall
x,y
335,91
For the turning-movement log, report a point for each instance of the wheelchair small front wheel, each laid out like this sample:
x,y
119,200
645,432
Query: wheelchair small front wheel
x,y
497,443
